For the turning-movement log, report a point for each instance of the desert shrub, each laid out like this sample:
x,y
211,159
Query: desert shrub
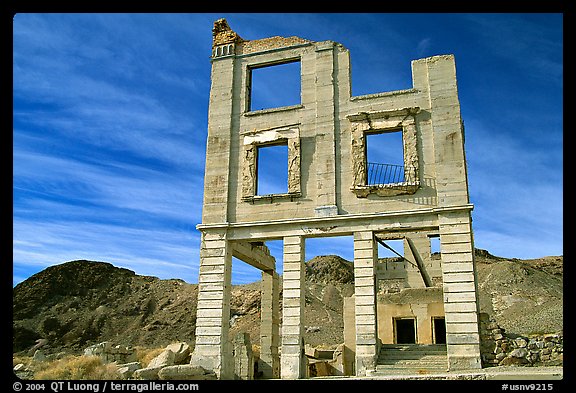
x,y
77,367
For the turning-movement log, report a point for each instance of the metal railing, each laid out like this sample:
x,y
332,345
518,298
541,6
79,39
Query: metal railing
x,y
389,174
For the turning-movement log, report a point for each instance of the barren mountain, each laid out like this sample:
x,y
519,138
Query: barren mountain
x,y
79,303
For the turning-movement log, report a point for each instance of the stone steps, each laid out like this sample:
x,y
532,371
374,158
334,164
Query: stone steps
x,y
411,359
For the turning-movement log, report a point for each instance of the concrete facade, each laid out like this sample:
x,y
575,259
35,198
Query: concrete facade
x,y
328,194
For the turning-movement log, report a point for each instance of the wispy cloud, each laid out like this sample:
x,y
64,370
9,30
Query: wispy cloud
x,y
524,40
517,188
110,120
423,46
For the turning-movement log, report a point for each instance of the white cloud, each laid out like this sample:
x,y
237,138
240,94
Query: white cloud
x,y
423,46
164,253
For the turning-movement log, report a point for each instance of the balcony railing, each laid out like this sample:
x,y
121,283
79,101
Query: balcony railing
x,y
381,174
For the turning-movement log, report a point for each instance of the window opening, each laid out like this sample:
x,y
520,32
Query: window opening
x,y
394,249
385,158
434,245
272,169
405,329
439,328
274,86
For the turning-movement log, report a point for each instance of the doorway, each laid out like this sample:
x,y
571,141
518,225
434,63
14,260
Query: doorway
x,y
405,330
439,329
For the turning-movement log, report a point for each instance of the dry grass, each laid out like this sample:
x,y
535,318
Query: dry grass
x,y
76,367
25,360
145,355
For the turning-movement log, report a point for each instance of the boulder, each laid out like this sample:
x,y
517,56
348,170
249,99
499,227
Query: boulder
x,y
166,358
181,351
147,373
185,372
39,356
521,342
127,370
519,353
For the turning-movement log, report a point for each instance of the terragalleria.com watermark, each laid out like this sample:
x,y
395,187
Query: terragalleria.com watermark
x,y
104,386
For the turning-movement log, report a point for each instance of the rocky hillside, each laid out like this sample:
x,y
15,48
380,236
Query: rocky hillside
x,y
524,296
80,303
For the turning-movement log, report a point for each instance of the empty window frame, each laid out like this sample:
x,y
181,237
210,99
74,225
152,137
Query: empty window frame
x,y
274,85
385,158
272,169
388,139
271,164
434,244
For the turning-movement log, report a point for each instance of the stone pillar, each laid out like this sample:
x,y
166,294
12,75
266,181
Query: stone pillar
x,y
460,291
349,350
365,257
243,357
269,362
293,293
213,351
325,153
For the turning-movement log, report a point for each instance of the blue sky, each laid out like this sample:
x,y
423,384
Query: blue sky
x,y
110,121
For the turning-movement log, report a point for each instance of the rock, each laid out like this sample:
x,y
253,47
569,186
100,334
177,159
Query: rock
x,y
109,352
185,372
519,353
127,370
513,361
39,356
166,358
147,373
521,342
181,351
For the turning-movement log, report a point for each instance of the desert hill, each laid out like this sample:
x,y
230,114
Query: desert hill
x,y
80,303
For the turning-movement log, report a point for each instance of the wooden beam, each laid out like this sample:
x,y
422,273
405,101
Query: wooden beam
x,y
254,254
419,262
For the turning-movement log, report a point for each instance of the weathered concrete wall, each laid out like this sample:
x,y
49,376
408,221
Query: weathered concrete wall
x,y
327,194
422,312
328,176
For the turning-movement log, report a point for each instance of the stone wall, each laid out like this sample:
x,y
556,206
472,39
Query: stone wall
x,y
498,349
110,352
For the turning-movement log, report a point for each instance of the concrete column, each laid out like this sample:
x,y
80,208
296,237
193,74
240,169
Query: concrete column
x,y
446,121
349,352
325,153
460,291
293,297
213,351
243,357
218,143
269,362
365,257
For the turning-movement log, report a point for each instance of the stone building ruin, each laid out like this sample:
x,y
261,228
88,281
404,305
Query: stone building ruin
x,y
333,190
